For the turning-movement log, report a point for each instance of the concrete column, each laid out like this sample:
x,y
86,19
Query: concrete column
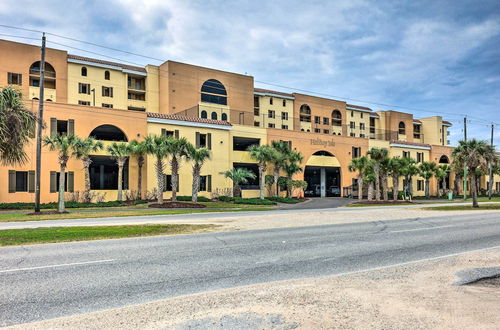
x,y
323,182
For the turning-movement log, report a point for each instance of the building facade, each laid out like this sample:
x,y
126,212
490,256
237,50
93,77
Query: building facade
x,y
219,110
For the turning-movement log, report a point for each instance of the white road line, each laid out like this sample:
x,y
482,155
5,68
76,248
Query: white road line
x,y
427,228
55,266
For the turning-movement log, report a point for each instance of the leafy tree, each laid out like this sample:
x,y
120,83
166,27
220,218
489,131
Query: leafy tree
x,y
157,146
292,167
66,146
269,179
395,167
474,154
441,172
384,174
409,169
358,164
427,170
263,155
198,157
120,151
238,176
280,159
177,149
83,149
17,127
139,151
377,155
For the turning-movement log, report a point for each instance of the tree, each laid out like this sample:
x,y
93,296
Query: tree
x,y
474,154
263,155
177,149
238,176
358,164
198,157
157,146
120,151
377,155
139,151
280,158
17,127
441,173
66,146
369,177
395,166
292,167
83,149
427,170
495,169
384,174
409,169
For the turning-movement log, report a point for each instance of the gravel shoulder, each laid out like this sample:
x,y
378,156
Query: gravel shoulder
x,y
418,295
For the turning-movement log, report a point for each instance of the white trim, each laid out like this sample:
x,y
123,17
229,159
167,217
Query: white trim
x,y
357,109
447,125
187,123
409,146
417,123
106,66
374,115
274,95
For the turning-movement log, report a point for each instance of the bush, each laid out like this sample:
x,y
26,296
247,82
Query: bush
x,y
188,199
69,205
253,201
226,198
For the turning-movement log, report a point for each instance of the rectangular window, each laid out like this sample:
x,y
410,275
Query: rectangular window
x,y
84,102
284,103
271,113
326,121
284,126
83,88
326,131
361,114
167,181
284,115
317,119
420,185
256,124
203,183
21,181
203,140
362,135
252,184
271,125
104,173
317,130
352,113
62,127
107,105
356,152
271,100
256,102
352,134
14,78
256,112
406,154
243,143
361,126
352,124
58,178
107,91
420,157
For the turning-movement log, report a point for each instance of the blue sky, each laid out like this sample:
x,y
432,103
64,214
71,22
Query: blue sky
x,y
437,56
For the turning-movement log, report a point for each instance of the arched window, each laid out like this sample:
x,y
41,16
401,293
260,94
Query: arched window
x,y
108,133
305,113
84,71
48,100
214,115
213,91
323,153
106,75
224,117
49,76
336,118
444,159
35,99
203,114
401,128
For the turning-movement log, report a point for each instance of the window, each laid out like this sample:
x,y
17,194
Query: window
x,y
213,116
361,126
58,178
223,117
271,100
256,112
362,135
284,116
83,88
406,154
104,173
305,113
256,101
317,130
107,91
361,114
21,181
444,159
416,131
420,157
62,127
336,118
108,133
326,121
352,134
106,75
167,182
50,75
213,91
251,183
203,183
203,140
326,131
271,114
284,126
352,124
317,119
166,132
284,103
203,114
107,105
401,128
84,102
84,71
256,124
136,96
14,78
243,143
271,125
356,152
352,113
420,185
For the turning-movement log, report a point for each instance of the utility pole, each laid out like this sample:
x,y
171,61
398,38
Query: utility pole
x,y
490,185
465,165
39,132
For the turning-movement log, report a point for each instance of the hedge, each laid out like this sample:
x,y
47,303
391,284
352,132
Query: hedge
x,y
69,204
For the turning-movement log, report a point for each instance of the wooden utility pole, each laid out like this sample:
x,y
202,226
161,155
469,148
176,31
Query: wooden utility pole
x,y
490,185
465,165
39,132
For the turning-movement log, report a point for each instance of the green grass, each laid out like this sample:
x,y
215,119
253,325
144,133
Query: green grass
x,y
67,234
469,207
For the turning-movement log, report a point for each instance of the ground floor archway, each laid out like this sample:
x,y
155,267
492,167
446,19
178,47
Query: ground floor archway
x,y
322,181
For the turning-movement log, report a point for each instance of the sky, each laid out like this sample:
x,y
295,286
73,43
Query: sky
x,y
423,57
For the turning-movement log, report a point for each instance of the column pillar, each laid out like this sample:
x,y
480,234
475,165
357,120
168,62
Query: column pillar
x,y
323,182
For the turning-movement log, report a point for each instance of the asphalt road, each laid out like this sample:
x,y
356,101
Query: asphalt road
x,y
46,281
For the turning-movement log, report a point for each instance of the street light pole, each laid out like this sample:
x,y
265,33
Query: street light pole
x,y
39,131
465,165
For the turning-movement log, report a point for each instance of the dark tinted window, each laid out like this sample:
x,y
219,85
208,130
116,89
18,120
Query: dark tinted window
x,y
104,173
214,87
108,133
21,181
243,143
252,183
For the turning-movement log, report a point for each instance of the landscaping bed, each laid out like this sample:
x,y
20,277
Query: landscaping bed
x,y
177,205
382,203
46,213
69,205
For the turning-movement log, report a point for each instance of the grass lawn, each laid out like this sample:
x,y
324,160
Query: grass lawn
x,y
469,207
384,204
67,234
124,213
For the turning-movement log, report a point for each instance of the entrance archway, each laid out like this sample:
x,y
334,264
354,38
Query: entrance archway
x,y
322,174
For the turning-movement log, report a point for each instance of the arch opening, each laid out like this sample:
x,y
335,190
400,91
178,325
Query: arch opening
x,y
444,159
108,133
49,75
213,91
401,128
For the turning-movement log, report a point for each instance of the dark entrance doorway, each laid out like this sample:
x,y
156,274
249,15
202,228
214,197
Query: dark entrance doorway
x,y
322,181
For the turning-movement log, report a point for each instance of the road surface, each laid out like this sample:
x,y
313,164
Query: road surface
x,y
47,281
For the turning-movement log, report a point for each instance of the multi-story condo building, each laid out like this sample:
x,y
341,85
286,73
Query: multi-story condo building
x,y
219,110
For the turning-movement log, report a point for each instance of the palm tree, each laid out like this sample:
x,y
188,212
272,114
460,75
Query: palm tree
x,y
17,127
198,157
239,176
474,154
263,155
292,167
156,145
377,155
177,149
139,151
120,151
409,169
358,164
83,149
66,146
441,173
384,174
427,170
282,151
395,166
369,177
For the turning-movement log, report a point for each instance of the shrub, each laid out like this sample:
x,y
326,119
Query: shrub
x,y
286,200
226,198
188,199
253,201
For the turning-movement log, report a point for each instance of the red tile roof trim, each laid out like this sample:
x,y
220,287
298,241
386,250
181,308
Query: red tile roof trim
x,y
94,60
186,118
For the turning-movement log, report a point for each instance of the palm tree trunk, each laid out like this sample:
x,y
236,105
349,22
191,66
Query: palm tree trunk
x,y
62,181
474,189
175,177
385,188
410,186
360,187
236,190
427,183
370,191
438,187
196,183
262,180
120,179
160,179
276,177
86,165
140,163
377,184
395,187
